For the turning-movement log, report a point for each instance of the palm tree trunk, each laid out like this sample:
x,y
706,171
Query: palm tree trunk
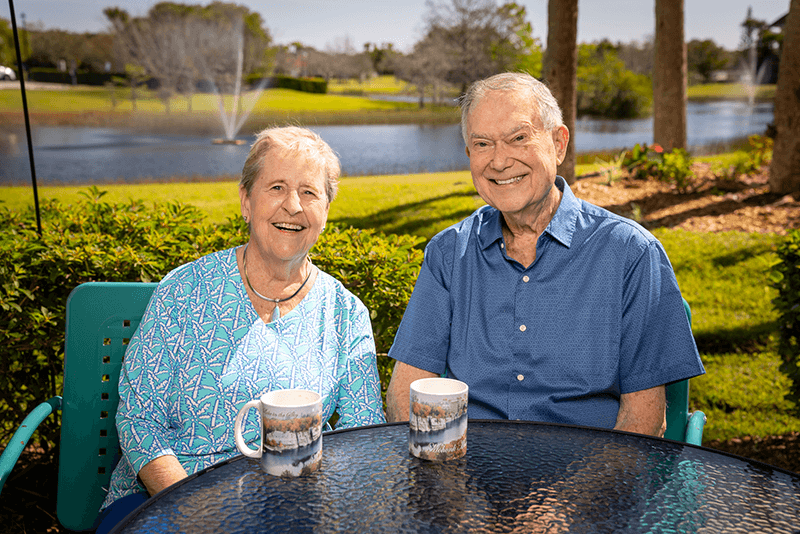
x,y
669,76
785,168
560,70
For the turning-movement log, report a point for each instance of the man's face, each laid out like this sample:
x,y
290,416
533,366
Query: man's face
x,y
512,157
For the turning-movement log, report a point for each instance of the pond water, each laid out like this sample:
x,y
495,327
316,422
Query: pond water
x,y
78,155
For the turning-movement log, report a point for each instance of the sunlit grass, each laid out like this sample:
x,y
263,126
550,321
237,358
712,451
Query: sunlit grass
x,y
729,91
380,84
86,99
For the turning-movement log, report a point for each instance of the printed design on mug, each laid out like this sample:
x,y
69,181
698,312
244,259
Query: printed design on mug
x,y
292,445
438,432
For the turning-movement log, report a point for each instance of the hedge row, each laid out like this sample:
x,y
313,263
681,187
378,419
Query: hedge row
x,y
786,279
306,85
82,77
96,240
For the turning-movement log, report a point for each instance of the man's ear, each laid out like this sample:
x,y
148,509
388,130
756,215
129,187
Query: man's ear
x,y
561,141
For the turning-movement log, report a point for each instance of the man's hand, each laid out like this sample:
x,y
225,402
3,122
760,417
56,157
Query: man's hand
x,y
398,392
643,412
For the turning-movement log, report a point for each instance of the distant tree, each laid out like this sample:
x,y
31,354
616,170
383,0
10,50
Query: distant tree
x,y
785,167
8,52
670,76
606,88
637,56
426,67
518,50
177,44
482,38
560,70
705,57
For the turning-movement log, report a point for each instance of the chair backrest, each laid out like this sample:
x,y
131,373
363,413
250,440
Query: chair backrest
x,y
101,317
678,401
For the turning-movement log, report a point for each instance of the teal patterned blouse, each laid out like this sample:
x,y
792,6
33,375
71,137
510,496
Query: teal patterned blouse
x,y
201,352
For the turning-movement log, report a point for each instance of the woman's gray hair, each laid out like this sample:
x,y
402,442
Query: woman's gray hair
x,y
549,111
295,140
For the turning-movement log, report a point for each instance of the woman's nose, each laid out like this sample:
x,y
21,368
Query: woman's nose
x,y
292,203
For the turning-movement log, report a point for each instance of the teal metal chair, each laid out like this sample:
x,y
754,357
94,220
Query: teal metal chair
x,y
101,317
682,425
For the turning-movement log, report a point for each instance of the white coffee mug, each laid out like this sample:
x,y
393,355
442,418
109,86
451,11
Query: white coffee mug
x,y
437,418
291,431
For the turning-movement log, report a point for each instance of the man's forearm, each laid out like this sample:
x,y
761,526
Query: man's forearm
x,y
643,412
397,393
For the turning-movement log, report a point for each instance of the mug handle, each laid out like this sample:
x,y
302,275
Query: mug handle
x,y
237,431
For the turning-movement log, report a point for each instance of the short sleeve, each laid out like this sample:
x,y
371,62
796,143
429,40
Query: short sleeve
x,y
657,346
423,338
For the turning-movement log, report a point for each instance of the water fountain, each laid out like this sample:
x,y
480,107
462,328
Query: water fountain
x,y
233,120
752,75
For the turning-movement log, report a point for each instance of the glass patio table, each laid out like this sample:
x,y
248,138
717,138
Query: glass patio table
x,y
515,477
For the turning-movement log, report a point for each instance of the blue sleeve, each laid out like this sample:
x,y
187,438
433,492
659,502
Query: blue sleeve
x,y
423,338
144,385
656,346
359,395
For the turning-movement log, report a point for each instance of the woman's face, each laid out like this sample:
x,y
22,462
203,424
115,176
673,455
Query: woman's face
x,y
287,206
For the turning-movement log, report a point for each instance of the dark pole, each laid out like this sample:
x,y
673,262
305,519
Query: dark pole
x,y
27,119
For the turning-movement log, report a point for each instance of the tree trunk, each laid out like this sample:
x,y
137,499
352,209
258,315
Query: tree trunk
x,y
784,171
560,70
669,76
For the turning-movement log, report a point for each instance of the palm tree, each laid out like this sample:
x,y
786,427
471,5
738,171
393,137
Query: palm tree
x,y
785,168
560,70
669,76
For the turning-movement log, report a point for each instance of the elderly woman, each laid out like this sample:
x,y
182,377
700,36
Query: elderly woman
x,y
229,326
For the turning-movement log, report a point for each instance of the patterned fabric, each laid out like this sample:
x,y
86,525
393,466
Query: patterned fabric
x,y
201,352
596,315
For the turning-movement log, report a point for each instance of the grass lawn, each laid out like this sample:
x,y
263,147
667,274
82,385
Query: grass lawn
x,y
716,91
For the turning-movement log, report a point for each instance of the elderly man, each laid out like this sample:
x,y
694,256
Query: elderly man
x,y
548,307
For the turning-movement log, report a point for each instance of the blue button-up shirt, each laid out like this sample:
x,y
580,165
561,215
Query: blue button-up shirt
x,y
596,315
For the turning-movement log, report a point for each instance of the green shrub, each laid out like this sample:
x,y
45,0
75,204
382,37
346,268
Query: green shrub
x,y
643,162
606,88
306,85
97,240
747,162
50,75
786,279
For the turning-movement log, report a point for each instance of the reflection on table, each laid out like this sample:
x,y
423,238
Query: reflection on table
x,y
515,477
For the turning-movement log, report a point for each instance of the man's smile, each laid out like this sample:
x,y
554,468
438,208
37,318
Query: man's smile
x,y
509,181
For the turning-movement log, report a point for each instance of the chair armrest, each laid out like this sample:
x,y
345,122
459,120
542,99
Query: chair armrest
x,y
17,444
694,429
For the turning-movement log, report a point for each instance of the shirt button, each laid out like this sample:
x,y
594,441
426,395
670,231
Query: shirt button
x,y
520,377
522,328
526,279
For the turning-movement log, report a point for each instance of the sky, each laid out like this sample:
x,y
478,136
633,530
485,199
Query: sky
x,y
328,24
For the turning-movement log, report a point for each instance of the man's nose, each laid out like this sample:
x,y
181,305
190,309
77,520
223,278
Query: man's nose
x,y
501,157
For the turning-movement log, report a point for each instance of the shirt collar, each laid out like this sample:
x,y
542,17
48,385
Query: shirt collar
x,y
561,227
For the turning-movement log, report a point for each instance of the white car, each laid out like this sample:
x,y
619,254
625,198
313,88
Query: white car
x,y
7,73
